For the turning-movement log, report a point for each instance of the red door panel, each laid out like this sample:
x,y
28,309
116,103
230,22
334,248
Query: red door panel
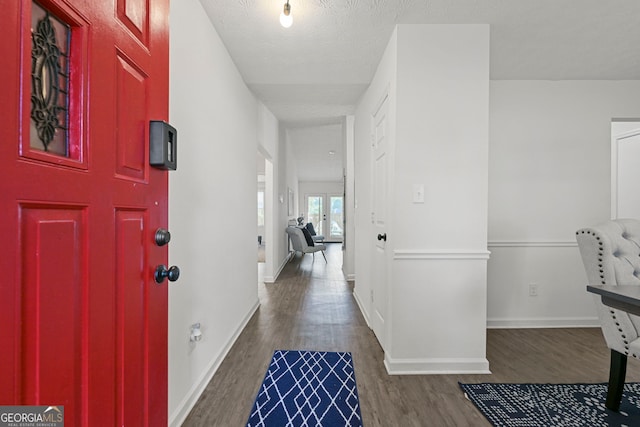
x,y
82,321
130,324
53,260
131,98
134,14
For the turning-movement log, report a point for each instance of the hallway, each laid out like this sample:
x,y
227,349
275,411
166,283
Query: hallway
x,y
311,307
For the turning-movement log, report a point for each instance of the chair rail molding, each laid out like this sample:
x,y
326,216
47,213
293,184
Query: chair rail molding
x,y
532,243
429,254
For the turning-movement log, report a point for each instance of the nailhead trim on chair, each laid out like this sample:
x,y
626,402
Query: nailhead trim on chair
x,y
601,270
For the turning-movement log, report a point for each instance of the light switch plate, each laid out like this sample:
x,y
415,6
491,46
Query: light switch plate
x,y
418,193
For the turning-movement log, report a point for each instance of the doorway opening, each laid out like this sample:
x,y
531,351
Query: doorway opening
x,y
261,215
326,213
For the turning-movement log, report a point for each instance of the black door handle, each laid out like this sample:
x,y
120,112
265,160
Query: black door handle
x,y
161,272
382,237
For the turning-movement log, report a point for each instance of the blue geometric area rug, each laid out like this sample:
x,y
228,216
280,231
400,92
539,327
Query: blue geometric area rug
x,y
307,388
559,405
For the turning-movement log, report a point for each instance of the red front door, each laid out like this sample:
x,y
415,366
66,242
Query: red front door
x,y
83,324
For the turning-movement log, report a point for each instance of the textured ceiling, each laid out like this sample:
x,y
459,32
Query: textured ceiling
x,y
315,71
312,147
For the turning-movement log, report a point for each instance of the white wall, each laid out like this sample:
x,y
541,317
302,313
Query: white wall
x,y
291,179
440,246
348,262
211,221
439,120
287,179
549,175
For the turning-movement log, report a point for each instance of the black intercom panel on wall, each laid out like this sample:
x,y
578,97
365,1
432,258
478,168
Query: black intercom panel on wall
x,y
163,145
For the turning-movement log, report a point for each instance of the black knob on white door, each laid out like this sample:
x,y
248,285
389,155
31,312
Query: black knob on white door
x,y
382,237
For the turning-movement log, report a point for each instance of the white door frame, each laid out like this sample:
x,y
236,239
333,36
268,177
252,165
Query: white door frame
x,y
380,296
621,131
269,222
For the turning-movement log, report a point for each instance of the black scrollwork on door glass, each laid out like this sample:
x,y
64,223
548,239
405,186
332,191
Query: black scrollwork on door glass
x,y
50,39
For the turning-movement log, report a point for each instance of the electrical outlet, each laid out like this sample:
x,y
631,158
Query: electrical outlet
x,y
533,289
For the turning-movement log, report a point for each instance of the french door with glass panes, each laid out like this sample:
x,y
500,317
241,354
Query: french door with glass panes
x,y
326,213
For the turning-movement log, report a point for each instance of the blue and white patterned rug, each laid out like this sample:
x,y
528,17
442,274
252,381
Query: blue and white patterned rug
x,y
558,405
307,388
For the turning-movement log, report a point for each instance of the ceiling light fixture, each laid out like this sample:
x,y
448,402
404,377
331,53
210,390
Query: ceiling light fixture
x,y
286,19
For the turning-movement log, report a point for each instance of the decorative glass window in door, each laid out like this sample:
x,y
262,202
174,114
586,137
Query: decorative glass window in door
x,y
50,40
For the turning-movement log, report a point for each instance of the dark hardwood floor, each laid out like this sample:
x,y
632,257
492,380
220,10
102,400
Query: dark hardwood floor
x,y
311,307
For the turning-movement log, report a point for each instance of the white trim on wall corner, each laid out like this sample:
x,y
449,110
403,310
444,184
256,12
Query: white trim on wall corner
x,y
547,322
532,244
364,312
425,254
428,366
269,279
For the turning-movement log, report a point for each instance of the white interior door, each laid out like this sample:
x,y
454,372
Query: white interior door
x,y
379,296
625,197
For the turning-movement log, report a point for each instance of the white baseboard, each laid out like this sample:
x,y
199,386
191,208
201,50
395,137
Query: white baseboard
x,y
431,366
361,307
186,405
270,279
548,322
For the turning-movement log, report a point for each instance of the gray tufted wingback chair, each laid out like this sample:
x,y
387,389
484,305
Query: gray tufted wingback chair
x,y
299,242
611,256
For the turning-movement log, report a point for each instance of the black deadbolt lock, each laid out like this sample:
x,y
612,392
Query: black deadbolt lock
x,y
162,237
